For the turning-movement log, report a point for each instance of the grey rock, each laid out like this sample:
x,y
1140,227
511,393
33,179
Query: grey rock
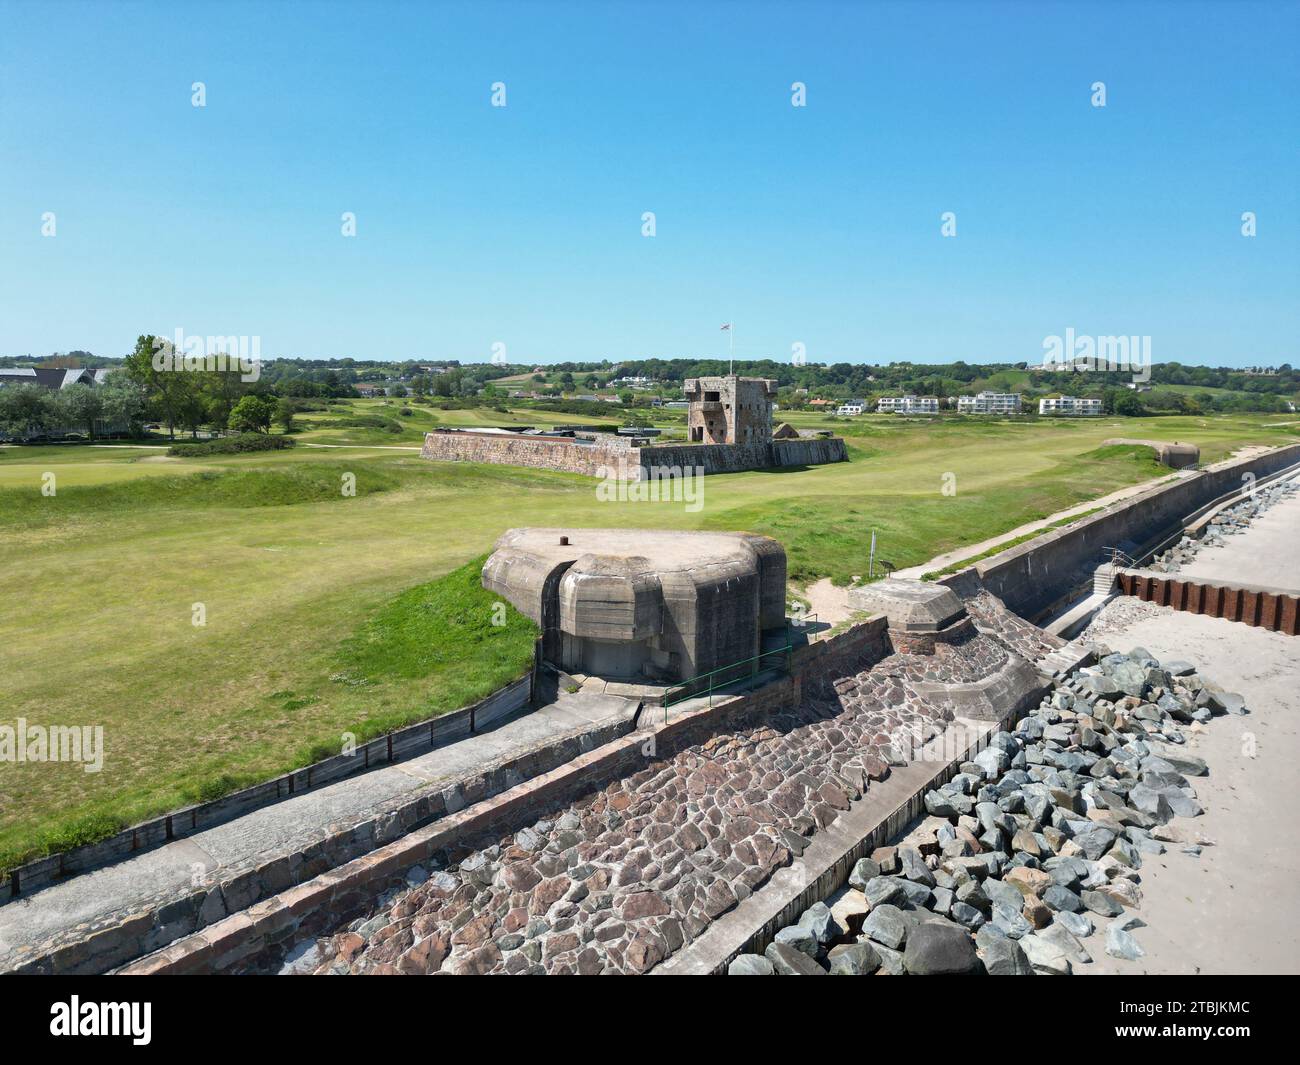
x,y
1094,841
864,869
936,949
993,761
891,961
751,965
1119,944
790,962
1059,898
1046,958
887,925
817,919
1078,925
1101,904
1000,891
1063,938
1005,957
883,890
800,938
946,805
967,915
914,867
1010,921
854,959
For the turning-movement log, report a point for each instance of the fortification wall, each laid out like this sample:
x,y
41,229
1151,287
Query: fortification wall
x,y
1032,577
539,452
601,458
735,458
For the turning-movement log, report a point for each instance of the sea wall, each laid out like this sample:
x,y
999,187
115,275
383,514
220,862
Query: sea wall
x,y
1032,578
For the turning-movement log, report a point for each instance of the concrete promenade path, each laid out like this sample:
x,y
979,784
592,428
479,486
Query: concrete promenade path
x,y
1266,555
290,824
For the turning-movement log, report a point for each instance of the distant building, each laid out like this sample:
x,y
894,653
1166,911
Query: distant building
x,y
729,410
634,382
851,408
908,405
990,403
1069,405
54,380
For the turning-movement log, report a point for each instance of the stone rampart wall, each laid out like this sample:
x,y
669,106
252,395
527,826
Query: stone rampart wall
x,y
613,455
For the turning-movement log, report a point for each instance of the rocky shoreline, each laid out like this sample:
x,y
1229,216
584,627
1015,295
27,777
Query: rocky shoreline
x,y
1033,846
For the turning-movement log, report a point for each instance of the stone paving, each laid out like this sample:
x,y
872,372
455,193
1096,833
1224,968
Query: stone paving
x,y
624,877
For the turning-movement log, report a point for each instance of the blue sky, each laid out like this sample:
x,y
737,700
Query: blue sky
x,y
522,225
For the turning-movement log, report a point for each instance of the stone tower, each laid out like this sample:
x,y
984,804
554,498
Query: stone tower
x,y
729,410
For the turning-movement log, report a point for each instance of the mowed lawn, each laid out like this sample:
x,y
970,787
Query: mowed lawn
x,y
99,584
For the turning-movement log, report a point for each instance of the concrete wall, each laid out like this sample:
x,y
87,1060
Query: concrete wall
x,y
1033,577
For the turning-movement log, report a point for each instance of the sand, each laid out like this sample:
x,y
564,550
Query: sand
x,y
1236,907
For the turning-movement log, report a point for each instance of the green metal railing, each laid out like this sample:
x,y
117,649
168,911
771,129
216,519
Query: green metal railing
x,y
684,689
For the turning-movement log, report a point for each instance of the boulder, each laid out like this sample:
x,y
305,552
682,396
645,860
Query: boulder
x,y
863,870
1101,904
819,920
787,961
1119,944
935,949
887,924
800,938
1045,957
854,959
1005,957
751,965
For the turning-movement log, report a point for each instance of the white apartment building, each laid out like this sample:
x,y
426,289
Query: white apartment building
x,y
1069,405
990,403
850,407
908,405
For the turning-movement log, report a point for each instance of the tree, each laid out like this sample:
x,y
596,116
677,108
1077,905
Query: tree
x,y
284,415
26,410
84,407
122,402
1129,405
252,414
167,388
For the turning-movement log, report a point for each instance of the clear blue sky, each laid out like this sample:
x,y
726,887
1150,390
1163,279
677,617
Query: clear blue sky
x,y
522,225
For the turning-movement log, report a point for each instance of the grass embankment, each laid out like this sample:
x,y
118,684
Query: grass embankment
x,y
432,649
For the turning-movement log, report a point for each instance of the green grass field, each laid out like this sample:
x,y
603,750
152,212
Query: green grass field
x,y
307,590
